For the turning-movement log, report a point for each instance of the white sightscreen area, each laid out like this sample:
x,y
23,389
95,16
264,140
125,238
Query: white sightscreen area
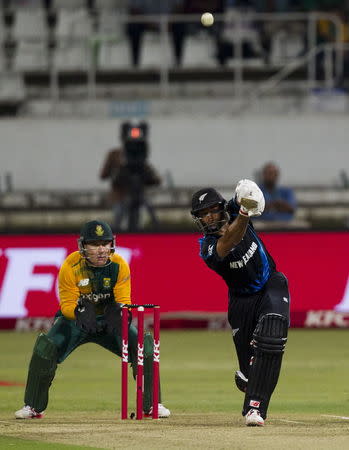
x,y
67,154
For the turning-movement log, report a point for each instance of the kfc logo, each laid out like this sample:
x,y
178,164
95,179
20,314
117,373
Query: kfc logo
x,y
344,304
29,267
20,276
326,319
28,280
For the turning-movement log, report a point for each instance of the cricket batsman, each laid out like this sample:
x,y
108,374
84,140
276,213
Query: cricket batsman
x,y
259,298
93,284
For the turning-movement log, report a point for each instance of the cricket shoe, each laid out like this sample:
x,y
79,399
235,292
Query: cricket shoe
x,y
163,412
28,413
254,418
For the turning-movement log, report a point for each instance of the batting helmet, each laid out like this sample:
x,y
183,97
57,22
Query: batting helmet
x,y
206,198
95,230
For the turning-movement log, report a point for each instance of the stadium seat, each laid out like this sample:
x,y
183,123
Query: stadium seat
x,y
12,87
2,29
30,34
22,4
30,56
113,54
73,33
155,52
117,5
30,24
110,22
286,45
113,47
2,62
72,57
198,51
68,4
73,24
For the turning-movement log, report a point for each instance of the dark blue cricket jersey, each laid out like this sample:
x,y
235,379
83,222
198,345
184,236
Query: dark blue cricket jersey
x,y
247,267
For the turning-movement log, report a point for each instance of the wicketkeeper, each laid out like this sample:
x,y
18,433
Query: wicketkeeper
x,y
259,298
93,282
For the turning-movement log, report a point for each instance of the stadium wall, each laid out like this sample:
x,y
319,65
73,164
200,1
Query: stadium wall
x,y
56,154
166,269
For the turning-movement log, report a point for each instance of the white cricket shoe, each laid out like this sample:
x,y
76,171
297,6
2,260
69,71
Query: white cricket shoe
x,y
28,413
254,418
163,412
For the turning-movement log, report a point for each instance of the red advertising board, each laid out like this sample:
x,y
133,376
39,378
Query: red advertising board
x,y
166,269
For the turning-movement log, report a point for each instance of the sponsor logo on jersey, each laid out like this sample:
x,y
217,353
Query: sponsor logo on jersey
x,y
106,282
285,299
95,298
210,249
84,282
244,260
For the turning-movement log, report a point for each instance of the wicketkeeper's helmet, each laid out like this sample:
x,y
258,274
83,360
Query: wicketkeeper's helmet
x,y
206,198
95,230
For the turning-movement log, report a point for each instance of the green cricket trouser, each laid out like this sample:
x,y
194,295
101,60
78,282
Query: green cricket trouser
x,y
65,337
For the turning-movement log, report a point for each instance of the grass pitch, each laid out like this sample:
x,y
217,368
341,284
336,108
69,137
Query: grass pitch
x,y
310,407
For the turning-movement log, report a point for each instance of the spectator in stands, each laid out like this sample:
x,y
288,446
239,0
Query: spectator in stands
x,y
328,33
128,190
325,29
246,34
268,29
280,201
178,30
135,30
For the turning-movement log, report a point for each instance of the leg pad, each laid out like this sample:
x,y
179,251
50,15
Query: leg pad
x,y
270,335
269,340
41,372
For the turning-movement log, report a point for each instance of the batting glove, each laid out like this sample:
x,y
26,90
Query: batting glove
x,y
250,198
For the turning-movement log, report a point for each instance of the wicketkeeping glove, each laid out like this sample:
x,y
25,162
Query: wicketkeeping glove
x,y
112,317
86,316
250,198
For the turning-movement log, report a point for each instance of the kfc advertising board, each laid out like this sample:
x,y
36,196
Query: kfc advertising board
x,y
166,269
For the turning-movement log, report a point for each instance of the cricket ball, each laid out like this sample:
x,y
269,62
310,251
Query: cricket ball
x,y
207,19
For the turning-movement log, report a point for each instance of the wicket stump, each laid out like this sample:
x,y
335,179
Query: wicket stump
x,y
140,361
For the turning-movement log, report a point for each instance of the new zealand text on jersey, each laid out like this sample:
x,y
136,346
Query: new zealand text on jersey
x,y
245,258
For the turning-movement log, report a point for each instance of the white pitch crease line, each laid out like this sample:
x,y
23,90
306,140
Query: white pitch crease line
x,y
335,417
290,421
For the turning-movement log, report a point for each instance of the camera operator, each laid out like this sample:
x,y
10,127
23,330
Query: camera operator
x,y
130,174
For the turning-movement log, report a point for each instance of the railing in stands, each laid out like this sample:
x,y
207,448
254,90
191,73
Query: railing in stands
x,y
236,21
331,77
332,71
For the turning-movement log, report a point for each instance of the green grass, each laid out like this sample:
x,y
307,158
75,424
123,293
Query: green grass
x,y
197,373
15,443
197,370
